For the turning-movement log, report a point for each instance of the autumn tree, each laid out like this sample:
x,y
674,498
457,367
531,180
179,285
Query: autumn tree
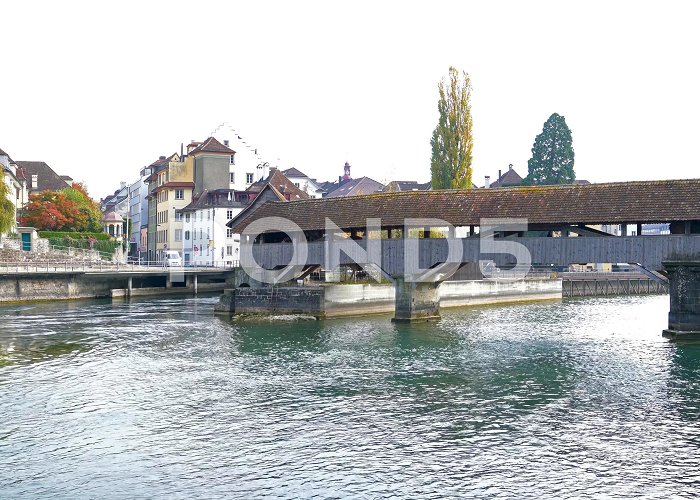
x,y
552,159
70,209
452,142
89,209
7,208
51,211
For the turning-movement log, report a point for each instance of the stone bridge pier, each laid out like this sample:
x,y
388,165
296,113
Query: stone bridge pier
x,y
416,301
684,291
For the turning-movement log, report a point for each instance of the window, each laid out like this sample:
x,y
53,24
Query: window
x,y
187,217
229,250
208,214
207,234
200,233
232,159
201,216
178,235
231,177
187,236
229,232
179,194
229,214
296,184
249,178
178,215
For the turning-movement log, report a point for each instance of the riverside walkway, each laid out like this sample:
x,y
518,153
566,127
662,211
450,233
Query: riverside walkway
x,y
56,280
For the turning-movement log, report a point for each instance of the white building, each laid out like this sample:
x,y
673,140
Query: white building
x,y
206,239
247,165
310,186
17,190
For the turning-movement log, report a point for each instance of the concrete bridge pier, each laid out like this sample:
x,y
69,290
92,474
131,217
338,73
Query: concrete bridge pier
x,y
684,290
416,301
191,283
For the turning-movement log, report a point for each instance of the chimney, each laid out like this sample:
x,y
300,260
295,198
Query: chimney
x,y
226,142
510,166
499,174
161,158
122,185
35,181
487,181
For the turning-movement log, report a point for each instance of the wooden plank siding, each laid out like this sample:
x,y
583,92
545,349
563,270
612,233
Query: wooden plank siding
x,y
649,251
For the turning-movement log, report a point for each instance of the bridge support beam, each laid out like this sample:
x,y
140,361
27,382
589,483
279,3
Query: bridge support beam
x,y
416,301
684,289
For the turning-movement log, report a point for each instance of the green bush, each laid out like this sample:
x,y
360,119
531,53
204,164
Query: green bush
x,y
73,235
100,245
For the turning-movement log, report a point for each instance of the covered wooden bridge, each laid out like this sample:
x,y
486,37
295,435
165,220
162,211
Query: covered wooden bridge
x,y
556,224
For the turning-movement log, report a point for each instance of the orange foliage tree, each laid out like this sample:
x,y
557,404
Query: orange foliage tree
x,y
52,211
70,209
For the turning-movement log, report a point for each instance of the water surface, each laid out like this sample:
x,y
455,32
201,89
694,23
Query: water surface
x,y
160,398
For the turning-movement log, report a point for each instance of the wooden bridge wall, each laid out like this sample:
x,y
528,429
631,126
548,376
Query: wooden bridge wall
x,y
649,251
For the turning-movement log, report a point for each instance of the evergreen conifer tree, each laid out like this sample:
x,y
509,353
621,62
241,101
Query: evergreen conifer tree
x,y
552,159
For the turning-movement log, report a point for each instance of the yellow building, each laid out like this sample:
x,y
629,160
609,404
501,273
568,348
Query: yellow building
x,y
173,182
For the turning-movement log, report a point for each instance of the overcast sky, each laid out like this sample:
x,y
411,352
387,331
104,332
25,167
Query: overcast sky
x,y
99,89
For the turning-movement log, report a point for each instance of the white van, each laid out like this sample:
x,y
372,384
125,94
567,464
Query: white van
x,y
171,258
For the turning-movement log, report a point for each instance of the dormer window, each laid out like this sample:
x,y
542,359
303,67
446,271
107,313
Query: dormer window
x,y
232,160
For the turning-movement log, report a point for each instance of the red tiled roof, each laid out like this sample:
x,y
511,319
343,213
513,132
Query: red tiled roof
x,y
612,203
280,182
211,145
510,178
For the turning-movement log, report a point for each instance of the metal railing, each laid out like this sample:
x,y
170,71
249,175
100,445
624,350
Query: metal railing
x,y
101,266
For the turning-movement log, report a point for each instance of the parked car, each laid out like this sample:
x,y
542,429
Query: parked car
x,y
171,258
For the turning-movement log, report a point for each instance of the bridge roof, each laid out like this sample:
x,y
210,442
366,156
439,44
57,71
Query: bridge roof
x,y
611,203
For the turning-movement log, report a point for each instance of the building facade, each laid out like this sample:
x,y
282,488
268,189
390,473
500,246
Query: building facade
x,y
207,240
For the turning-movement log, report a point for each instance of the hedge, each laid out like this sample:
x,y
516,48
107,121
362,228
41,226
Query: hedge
x,y
101,246
73,235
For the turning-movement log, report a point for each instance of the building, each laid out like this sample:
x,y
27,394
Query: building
x,y
207,239
310,186
138,215
508,179
170,186
287,189
246,164
402,186
17,192
113,224
117,201
347,186
354,187
41,177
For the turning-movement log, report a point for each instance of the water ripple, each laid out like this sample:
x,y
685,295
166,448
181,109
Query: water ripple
x,y
160,398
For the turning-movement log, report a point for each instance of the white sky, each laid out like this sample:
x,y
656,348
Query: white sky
x,y
99,89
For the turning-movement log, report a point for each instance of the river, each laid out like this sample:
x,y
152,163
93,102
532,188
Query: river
x,y
162,399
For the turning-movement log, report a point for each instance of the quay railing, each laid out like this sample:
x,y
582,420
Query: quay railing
x,y
102,266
